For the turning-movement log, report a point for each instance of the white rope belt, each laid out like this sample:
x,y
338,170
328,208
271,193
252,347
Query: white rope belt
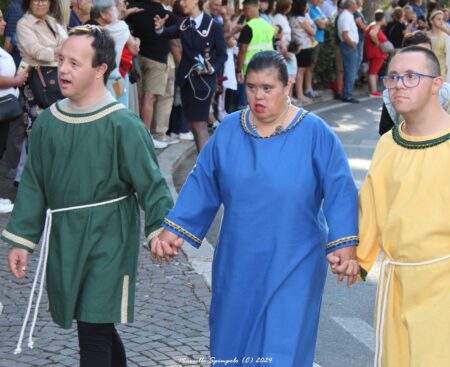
x,y
42,265
383,290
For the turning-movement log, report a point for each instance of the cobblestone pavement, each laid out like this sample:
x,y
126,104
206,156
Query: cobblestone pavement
x,y
171,315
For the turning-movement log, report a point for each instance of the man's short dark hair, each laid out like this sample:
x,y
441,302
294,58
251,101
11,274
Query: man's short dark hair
x,y
416,38
432,60
103,45
379,15
250,3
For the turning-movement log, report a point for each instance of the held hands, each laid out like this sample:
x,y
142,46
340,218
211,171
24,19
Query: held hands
x,y
343,263
159,22
165,245
18,260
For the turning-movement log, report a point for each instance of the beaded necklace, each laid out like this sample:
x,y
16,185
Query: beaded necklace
x,y
278,129
417,144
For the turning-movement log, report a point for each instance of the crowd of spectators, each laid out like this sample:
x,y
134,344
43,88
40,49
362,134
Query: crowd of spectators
x,y
181,64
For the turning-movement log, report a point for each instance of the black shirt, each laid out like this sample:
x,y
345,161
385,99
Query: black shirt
x,y
394,33
142,25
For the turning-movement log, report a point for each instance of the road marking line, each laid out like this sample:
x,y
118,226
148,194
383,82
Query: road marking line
x,y
316,365
359,329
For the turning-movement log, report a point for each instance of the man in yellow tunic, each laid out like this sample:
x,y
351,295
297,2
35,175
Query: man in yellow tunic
x,y
404,210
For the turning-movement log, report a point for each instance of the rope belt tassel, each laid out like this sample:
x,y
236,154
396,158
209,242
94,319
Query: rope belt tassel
x,y
383,291
42,267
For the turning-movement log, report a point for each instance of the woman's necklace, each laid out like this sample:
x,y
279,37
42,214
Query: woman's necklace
x,y
279,128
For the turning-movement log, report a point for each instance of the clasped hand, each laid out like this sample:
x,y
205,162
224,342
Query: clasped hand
x,y
165,246
343,263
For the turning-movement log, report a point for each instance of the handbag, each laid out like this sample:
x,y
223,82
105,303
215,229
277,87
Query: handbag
x,y
10,108
387,47
135,71
43,82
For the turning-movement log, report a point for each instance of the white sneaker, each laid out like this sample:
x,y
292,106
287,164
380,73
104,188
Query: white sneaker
x,y
159,144
186,136
6,206
165,139
174,135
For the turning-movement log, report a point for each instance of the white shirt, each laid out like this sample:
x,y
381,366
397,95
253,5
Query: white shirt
x,y
299,34
329,8
7,68
282,21
198,20
346,23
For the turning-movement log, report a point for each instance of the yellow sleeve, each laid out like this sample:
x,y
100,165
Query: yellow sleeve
x,y
368,249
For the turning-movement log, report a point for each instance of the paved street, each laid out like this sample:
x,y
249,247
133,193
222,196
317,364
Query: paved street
x,y
172,300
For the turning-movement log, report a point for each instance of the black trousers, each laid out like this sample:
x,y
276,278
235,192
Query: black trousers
x,y
100,346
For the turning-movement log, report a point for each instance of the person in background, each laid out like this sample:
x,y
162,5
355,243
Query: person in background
x,y
80,13
374,37
439,40
348,36
361,23
410,19
303,32
329,8
321,22
12,133
156,86
257,35
395,29
203,56
265,11
13,13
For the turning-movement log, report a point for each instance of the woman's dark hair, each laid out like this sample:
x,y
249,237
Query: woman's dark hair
x,y
379,15
299,8
54,10
269,60
200,4
282,5
177,9
103,45
416,38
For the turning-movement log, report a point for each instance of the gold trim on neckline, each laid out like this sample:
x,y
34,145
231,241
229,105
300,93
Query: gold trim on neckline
x,y
294,123
84,119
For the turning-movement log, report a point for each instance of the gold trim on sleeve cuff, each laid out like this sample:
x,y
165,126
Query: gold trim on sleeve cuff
x,y
20,240
182,230
342,240
154,234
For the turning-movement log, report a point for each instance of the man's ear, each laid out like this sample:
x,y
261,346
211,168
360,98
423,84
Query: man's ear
x,y
101,70
437,85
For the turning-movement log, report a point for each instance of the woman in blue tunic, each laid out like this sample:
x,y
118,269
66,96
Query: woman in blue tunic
x,y
289,200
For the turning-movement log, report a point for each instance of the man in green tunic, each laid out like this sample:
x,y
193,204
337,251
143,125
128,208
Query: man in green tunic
x,y
91,164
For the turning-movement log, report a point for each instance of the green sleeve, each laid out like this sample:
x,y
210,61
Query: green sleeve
x,y
28,217
138,166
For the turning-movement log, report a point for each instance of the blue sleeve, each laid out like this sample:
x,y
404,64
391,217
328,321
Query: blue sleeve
x,y
313,13
199,199
340,195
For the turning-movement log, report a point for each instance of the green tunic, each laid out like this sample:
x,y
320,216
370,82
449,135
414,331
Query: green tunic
x,y
80,159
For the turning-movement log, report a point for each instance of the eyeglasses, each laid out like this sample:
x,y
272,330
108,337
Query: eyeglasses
x,y
409,80
43,2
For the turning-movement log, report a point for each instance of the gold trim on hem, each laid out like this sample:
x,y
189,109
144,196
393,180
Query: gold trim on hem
x,y
124,304
154,234
182,230
342,240
84,119
20,240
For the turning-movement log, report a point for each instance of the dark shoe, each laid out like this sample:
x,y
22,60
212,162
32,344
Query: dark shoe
x,y
350,100
16,183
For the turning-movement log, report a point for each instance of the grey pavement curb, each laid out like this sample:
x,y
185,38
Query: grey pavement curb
x,y
169,160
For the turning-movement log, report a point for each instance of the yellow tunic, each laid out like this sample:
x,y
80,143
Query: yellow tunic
x,y
405,211
439,47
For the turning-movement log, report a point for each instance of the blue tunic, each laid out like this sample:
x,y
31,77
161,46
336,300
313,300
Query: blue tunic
x,y
288,200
